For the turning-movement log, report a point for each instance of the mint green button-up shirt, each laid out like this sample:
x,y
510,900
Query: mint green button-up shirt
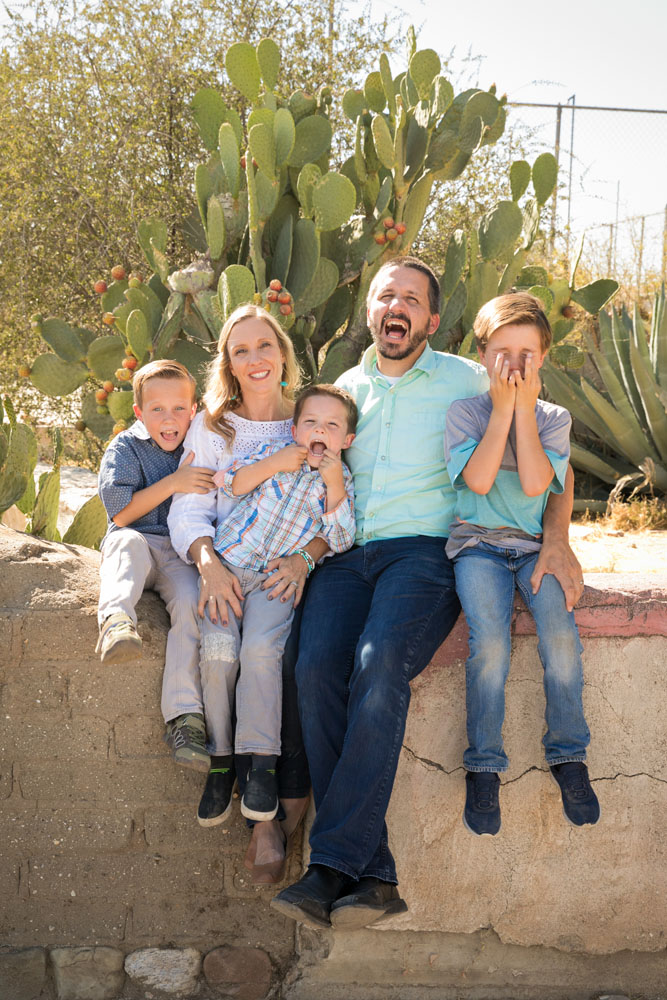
x,y
401,485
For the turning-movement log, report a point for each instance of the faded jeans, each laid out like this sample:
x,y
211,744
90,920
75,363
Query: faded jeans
x,y
252,649
486,577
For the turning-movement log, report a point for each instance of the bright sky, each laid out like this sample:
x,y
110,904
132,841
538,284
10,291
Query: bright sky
x,y
609,53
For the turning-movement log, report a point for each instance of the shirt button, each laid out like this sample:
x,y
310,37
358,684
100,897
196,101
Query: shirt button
x,y
387,423
382,457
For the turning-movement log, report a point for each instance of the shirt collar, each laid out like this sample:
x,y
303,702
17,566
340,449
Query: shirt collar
x,y
139,430
425,362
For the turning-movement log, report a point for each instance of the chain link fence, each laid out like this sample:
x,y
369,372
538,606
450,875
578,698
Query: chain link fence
x,y
612,187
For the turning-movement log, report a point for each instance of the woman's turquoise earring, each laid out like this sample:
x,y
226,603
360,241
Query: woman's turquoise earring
x,y
283,384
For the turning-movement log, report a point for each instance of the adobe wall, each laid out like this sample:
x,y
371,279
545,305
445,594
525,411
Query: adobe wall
x,y
104,861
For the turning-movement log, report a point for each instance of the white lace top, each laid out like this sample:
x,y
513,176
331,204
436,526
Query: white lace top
x,y
195,515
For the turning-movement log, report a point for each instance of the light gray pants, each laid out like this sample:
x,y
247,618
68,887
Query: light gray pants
x,y
132,561
255,644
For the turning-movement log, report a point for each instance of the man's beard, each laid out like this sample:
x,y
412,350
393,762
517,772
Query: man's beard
x,y
398,350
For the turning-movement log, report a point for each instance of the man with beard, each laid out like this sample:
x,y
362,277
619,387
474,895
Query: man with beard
x,y
375,615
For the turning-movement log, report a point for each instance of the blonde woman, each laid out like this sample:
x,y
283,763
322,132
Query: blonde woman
x,y
249,402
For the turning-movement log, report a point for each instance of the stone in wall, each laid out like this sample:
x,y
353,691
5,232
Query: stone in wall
x,y
23,972
173,970
242,973
88,973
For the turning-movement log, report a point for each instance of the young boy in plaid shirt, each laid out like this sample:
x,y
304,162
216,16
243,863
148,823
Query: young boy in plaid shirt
x,y
288,496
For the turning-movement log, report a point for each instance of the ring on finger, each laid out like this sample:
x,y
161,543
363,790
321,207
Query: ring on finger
x,y
293,583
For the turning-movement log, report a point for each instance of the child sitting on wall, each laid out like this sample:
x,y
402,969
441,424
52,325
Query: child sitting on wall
x,y
138,476
505,451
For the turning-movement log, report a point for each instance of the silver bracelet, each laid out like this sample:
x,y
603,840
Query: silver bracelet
x,y
310,563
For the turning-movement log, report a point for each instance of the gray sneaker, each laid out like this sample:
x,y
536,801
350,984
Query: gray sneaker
x,y
186,738
119,640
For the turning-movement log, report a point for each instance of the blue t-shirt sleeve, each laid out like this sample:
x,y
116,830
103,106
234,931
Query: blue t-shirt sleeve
x,y
120,477
554,431
462,435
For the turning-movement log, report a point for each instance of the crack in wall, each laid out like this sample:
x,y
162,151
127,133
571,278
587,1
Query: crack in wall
x,y
430,764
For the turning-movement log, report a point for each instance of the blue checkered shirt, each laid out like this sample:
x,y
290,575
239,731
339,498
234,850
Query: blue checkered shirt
x,y
284,513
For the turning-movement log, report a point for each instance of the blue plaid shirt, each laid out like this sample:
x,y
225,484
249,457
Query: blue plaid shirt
x,y
132,462
284,513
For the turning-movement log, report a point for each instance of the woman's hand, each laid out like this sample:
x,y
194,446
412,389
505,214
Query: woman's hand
x,y
220,591
288,577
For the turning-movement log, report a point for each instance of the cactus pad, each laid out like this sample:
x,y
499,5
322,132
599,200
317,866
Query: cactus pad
x,y
374,92
442,96
55,377
499,229
334,200
388,84
545,175
424,66
320,289
309,176
114,295
519,178
89,525
354,103
120,405
593,297
235,288
384,144
152,236
100,424
312,140
243,69
302,105
268,59
208,110
63,339
305,257
545,296
137,334
284,135
170,325
230,159
195,359
262,147
105,356
455,261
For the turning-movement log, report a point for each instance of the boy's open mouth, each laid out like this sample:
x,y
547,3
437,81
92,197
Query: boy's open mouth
x,y
317,448
395,329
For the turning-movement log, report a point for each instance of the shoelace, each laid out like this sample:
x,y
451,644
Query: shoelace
x,y
576,786
485,796
193,736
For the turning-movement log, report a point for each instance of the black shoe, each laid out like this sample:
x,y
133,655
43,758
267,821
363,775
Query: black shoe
x,y
482,809
309,900
580,803
260,798
216,801
366,903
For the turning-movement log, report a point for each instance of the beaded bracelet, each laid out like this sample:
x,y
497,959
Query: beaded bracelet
x,y
308,559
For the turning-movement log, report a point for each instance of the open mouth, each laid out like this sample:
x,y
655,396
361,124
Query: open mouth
x,y
317,448
395,329
170,435
257,376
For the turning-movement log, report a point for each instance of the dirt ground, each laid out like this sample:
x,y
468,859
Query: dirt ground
x,y
601,549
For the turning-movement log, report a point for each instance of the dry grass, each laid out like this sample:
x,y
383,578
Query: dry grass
x,y
630,538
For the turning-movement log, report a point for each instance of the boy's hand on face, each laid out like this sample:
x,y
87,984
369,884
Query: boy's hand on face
x,y
190,478
502,388
291,458
331,468
528,387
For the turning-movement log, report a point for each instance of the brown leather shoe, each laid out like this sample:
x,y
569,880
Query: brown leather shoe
x,y
309,900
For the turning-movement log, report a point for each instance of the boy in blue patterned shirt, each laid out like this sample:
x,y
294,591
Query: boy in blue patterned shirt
x,y
289,495
138,476
506,450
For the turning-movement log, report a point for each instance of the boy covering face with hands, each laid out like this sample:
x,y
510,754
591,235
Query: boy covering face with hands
x,y
506,450
289,495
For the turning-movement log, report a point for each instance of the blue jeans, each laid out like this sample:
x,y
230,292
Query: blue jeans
x,y
373,619
486,576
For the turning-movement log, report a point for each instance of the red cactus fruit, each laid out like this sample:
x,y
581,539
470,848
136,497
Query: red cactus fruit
x,y
400,228
284,298
392,234
101,395
275,284
380,238
568,312
108,386
388,223
101,408
100,287
243,163
118,272
24,371
285,310
109,319
129,363
80,425
272,295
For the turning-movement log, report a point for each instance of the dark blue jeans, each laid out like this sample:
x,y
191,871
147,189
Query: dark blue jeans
x,y
373,619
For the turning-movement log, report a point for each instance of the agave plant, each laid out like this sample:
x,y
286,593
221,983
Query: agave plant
x,y
630,416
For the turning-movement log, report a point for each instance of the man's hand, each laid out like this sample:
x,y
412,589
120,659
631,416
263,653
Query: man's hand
x,y
528,387
190,478
557,557
502,389
287,578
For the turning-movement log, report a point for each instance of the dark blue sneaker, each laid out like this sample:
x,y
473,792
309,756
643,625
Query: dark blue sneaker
x,y
260,798
482,810
580,803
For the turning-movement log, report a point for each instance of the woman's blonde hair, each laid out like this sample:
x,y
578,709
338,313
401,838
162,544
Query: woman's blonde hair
x,y
223,392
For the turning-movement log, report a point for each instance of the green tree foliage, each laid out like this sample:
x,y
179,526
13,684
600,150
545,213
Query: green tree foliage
x,y
96,131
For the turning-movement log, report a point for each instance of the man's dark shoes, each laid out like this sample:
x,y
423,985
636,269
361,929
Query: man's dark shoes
x,y
580,803
216,801
309,900
482,809
368,901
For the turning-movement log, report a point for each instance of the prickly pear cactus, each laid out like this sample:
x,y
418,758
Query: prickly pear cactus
x,y
18,457
494,259
274,215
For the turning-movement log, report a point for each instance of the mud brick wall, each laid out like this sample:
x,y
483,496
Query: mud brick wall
x,y
110,888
